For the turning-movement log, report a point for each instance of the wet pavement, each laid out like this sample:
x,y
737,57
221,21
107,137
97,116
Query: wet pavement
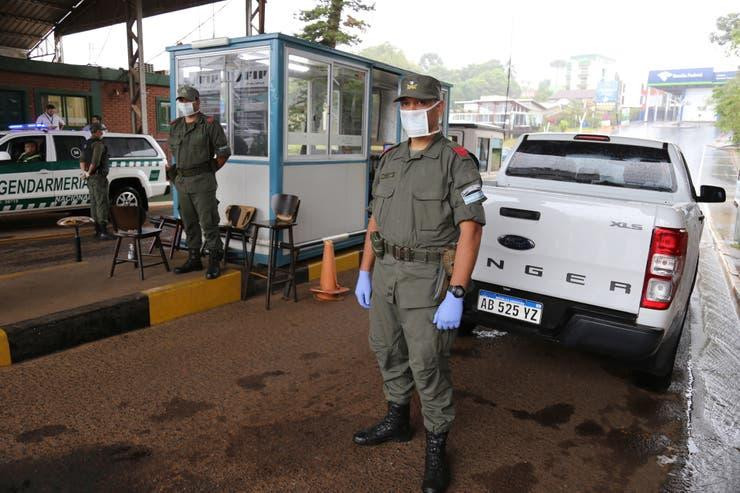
x,y
241,399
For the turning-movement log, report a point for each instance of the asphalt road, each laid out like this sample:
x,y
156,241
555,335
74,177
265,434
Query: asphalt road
x,y
239,399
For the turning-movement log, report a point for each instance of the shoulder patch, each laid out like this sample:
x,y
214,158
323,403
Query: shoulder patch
x,y
461,151
387,150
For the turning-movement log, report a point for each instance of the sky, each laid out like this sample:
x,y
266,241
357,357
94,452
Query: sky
x,y
641,35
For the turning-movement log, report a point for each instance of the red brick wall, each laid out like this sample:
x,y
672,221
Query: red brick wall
x,y
113,98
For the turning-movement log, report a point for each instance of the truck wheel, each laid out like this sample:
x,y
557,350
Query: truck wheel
x,y
127,196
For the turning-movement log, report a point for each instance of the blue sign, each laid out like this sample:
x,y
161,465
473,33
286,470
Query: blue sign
x,y
607,91
722,77
681,77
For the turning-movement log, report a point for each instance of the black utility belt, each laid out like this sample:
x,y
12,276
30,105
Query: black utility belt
x,y
187,172
408,254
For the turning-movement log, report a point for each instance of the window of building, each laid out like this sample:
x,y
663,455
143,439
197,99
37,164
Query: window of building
x,y
348,110
131,147
319,119
163,114
308,106
249,79
234,89
74,110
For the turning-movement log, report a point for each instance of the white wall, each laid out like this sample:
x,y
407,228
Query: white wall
x,y
332,198
698,105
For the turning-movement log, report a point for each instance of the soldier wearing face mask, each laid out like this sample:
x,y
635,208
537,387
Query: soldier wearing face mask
x,y
421,245
200,148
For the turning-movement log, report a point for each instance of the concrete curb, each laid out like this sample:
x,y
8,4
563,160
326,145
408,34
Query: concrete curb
x,y
28,339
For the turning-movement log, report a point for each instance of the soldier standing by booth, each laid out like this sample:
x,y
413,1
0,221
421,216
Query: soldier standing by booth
x,y
94,164
200,148
424,232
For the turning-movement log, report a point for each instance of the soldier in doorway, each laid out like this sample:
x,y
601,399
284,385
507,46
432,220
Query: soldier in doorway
x,y
199,146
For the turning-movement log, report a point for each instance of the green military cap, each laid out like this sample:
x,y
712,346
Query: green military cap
x,y
188,92
419,87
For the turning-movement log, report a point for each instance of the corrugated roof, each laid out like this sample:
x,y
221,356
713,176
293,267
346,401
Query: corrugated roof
x,y
23,23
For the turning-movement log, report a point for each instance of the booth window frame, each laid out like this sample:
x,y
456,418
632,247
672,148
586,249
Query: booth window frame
x,y
229,102
331,62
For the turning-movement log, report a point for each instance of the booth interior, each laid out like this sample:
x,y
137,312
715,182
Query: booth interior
x,y
301,119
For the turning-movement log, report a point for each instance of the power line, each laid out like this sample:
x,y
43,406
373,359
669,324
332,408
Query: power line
x,y
213,16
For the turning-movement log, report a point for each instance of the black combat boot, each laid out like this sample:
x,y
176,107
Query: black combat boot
x,y
192,263
214,265
394,426
103,232
436,472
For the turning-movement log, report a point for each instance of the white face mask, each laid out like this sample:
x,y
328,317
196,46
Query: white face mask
x,y
416,122
185,109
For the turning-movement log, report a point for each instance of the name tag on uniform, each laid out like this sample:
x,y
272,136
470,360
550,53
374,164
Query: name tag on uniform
x,y
472,194
391,174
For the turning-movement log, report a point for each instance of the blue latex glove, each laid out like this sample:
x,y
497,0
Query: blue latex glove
x,y
364,289
449,313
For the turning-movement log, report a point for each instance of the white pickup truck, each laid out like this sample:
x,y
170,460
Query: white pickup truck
x,y
592,241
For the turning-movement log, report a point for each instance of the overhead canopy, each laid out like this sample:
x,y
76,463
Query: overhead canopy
x,y
23,23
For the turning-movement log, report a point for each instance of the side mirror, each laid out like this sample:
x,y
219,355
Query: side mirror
x,y
4,156
711,194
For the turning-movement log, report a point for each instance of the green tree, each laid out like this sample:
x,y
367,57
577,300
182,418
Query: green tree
x,y
391,55
327,24
728,33
544,91
727,104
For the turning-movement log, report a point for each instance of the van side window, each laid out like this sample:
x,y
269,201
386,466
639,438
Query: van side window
x,y
15,147
69,147
119,147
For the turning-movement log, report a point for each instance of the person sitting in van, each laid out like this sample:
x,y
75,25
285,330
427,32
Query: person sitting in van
x,y
30,154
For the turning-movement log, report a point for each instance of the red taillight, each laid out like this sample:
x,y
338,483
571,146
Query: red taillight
x,y
596,137
664,267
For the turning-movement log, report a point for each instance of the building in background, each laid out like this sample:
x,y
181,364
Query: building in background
x,y
586,71
516,116
78,92
683,94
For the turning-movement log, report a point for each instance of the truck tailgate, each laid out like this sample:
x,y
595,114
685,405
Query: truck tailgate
x,y
588,250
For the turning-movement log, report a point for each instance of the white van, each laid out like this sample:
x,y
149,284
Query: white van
x,y
137,171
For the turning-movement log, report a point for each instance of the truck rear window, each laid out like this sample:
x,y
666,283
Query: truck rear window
x,y
594,163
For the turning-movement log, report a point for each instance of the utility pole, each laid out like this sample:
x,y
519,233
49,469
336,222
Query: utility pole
x,y
258,12
136,70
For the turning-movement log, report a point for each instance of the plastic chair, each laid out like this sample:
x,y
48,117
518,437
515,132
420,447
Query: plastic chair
x,y
127,223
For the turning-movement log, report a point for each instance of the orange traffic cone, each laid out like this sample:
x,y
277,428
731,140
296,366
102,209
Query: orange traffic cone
x,y
329,289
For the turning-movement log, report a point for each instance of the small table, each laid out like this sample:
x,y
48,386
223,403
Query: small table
x,y
76,222
275,226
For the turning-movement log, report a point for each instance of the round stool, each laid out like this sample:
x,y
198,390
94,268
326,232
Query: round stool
x,y
76,222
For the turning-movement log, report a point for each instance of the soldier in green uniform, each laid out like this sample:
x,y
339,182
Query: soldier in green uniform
x,y
94,163
427,207
200,148
30,153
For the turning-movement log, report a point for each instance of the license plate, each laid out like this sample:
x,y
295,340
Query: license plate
x,y
508,306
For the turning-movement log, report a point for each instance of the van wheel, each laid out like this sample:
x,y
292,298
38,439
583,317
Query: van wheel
x,y
127,196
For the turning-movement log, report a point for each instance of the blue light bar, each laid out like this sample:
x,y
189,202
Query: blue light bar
x,y
27,126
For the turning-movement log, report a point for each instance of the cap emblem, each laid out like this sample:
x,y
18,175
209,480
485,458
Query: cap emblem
x,y
411,85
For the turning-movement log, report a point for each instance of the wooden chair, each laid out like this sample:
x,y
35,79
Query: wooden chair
x,y
173,241
239,218
127,223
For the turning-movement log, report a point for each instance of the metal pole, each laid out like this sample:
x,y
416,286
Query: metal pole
x,y
142,69
249,17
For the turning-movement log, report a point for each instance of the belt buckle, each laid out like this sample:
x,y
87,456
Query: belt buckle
x,y
406,254
397,252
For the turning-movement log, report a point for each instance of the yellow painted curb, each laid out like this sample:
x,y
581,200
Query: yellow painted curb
x,y
348,261
4,349
192,296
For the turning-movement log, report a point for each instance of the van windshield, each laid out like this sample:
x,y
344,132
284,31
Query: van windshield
x,y
594,163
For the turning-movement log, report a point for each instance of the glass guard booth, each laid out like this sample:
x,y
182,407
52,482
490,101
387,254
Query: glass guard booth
x,y
301,119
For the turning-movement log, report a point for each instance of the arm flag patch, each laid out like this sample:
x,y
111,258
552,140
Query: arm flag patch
x,y
461,151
